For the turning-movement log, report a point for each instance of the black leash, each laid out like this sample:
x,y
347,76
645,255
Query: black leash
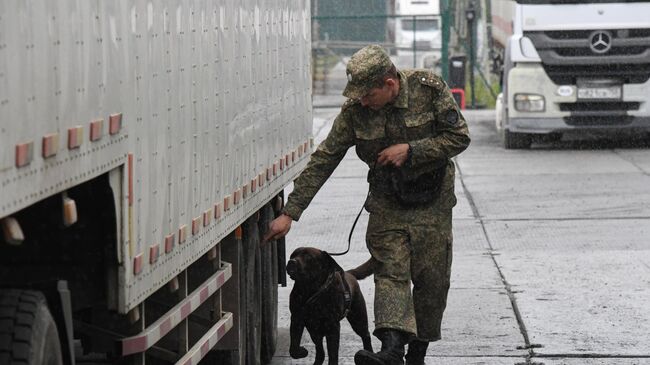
x,y
352,229
355,221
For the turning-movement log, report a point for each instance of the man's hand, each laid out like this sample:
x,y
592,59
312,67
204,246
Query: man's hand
x,y
278,228
395,155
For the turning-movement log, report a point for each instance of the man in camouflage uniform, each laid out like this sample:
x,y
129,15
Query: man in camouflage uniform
x,y
398,120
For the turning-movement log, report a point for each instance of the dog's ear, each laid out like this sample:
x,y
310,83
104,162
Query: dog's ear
x,y
328,261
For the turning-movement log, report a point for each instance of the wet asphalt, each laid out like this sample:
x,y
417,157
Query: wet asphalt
x,y
551,250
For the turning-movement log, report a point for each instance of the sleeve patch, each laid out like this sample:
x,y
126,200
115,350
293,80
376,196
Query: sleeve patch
x,y
452,117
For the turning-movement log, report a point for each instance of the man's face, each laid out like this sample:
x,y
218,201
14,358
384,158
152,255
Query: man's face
x,y
377,97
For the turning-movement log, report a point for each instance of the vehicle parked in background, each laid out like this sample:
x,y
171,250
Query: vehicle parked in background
x,y
571,66
418,36
145,148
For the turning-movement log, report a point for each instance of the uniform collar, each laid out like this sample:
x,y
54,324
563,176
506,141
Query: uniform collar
x,y
402,100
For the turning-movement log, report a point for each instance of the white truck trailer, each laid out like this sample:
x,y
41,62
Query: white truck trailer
x,y
571,65
144,147
418,36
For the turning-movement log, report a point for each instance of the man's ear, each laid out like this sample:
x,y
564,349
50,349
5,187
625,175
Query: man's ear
x,y
390,82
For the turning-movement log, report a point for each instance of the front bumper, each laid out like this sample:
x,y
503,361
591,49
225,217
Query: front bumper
x,y
565,112
562,124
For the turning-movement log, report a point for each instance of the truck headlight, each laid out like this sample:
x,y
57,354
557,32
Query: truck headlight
x,y
529,103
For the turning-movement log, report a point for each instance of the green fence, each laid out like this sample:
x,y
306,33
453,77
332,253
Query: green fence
x,y
412,42
430,41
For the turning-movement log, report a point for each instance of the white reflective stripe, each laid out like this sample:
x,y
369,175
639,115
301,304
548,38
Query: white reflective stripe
x,y
207,342
152,334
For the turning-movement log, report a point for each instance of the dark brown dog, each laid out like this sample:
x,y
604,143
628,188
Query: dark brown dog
x,y
323,294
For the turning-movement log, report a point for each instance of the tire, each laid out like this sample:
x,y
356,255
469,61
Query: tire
x,y
28,334
515,141
269,330
252,291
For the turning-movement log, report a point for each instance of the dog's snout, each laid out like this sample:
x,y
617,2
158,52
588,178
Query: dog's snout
x,y
292,267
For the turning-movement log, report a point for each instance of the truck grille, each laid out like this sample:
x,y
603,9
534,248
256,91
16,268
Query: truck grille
x,y
599,113
620,120
599,107
568,55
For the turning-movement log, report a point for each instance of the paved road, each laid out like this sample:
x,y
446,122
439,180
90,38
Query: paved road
x,y
551,257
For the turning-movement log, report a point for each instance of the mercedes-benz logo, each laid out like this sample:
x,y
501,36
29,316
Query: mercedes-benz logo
x,y
600,41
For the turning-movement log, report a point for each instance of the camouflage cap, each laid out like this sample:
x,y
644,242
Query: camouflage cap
x,y
365,67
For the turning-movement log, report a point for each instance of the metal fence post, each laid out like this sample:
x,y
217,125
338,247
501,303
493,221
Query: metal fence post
x,y
444,53
414,43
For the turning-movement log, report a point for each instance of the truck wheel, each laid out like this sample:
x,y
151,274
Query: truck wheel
x,y
270,291
252,290
28,334
515,141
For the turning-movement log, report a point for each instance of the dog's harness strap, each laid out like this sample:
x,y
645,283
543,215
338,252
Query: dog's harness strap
x,y
347,295
323,288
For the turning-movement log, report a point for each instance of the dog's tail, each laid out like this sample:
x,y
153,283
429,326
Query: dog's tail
x,y
364,270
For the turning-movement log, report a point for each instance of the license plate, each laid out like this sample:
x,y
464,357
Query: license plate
x,y
600,93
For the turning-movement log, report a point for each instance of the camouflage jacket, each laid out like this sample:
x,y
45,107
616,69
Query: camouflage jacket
x,y
424,114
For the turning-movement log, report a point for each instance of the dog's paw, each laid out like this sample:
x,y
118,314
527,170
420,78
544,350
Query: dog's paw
x,y
298,353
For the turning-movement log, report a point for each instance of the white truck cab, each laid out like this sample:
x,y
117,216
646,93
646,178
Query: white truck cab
x,y
417,33
572,66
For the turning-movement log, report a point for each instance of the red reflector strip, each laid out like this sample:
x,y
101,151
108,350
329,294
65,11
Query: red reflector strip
x,y
153,253
157,330
293,156
238,232
207,217
130,173
236,196
182,234
114,123
261,179
12,232
50,145
208,341
226,203
286,159
137,264
169,243
282,164
96,129
275,168
269,174
244,191
173,284
75,137
217,210
212,253
300,151
304,147
69,212
196,225
24,154
253,185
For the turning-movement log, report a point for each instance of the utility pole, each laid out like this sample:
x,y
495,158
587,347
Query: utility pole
x,y
470,15
446,23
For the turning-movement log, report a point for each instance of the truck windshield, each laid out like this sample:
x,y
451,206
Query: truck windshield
x,y
541,2
420,24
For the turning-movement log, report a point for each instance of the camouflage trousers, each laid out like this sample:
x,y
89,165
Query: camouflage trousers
x,y
410,245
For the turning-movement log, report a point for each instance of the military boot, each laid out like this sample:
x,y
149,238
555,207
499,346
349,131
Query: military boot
x,y
392,349
417,350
